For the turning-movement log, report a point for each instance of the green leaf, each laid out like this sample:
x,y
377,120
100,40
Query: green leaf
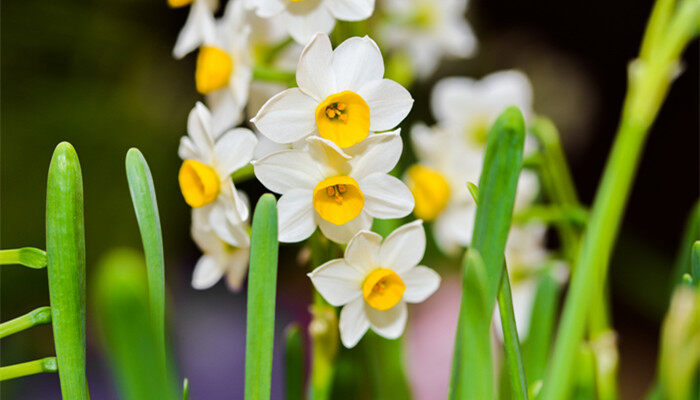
x,y
472,377
683,261
696,262
294,364
384,362
185,389
143,196
511,342
39,316
474,191
65,249
127,329
27,256
472,369
262,285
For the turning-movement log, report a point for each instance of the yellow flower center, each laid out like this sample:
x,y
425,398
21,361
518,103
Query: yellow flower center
x,y
213,70
430,191
338,200
343,118
383,289
179,3
199,183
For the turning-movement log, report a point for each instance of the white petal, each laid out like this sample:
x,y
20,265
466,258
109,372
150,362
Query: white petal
x,y
403,248
353,322
386,196
187,149
343,233
421,282
268,8
287,117
350,10
504,88
199,130
378,153
296,220
287,170
199,28
389,103
233,234
458,38
452,97
303,26
389,323
338,282
235,203
234,150
528,187
330,159
266,147
206,273
236,268
453,228
314,74
363,249
356,62
226,111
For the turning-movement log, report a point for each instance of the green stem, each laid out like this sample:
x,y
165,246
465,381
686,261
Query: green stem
x,y
269,74
271,52
649,83
40,316
243,174
514,357
27,256
65,248
294,363
47,364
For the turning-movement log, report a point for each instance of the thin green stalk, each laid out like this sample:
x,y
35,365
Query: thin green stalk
x,y
269,74
650,79
270,53
27,256
186,389
39,316
47,364
514,357
384,361
65,248
294,363
143,197
262,286
691,233
243,174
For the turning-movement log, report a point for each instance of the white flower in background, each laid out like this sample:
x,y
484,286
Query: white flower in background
x,y
304,18
198,27
468,108
342,96
204,176
438,182
427,30
225,251
375,280
340,191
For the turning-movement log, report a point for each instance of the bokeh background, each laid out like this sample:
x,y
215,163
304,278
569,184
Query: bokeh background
x,y
99,74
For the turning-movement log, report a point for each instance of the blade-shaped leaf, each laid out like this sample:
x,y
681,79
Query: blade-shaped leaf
x,y
294,363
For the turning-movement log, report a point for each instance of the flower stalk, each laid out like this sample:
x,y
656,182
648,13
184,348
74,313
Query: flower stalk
x,y
39,316
47,364
27,256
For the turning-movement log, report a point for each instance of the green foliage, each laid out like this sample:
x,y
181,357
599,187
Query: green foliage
x,y
294,364
127,329
27,256
262,286
65,248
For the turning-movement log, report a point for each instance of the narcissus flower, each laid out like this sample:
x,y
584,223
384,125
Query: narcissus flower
x,y
304,18
198,27
438,183
342,96
468,107
340,191
428,29
375,280
207,165
225,247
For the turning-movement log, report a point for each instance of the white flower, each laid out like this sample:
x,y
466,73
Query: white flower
x,y
198,27
428,29
468,108
225,251
204,176
375,280
438,183
340,191
304,18
341,96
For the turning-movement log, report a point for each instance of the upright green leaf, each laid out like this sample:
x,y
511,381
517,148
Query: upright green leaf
x,y
472,368
695,263
472,377
65,249
294,364
143,196
27,256
511,342
683,261
127,329
262,286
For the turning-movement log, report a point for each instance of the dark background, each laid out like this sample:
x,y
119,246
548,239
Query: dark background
x,y
100,75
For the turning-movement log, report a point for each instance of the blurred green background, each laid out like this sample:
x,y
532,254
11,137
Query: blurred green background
x,y
100,75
